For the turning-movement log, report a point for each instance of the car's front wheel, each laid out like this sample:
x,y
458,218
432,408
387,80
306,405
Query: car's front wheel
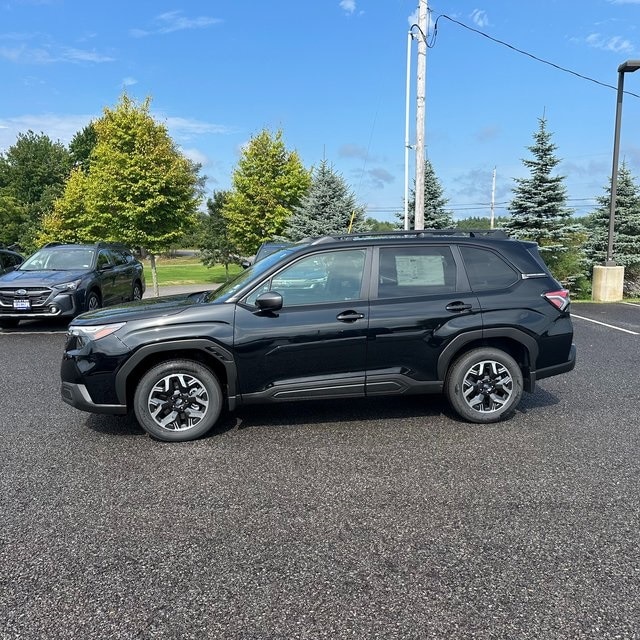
x,y
136,293
92,302
484,385
178,400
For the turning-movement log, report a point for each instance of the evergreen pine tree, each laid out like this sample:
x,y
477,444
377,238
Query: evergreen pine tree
x,y
328,208
539,212
436,215
626,240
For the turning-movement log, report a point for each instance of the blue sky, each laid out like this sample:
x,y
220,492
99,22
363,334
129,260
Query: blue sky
x,y
331,74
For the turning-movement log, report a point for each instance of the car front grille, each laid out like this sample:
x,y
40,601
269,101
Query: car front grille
x,y
37,296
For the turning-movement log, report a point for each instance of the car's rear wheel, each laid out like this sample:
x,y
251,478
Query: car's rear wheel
x,y
178,400
93,302
484,385
136,293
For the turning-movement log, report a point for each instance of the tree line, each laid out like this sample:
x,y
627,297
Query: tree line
x,y
123,179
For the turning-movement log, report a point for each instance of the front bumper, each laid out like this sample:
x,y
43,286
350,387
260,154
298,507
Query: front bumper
x,y
54,305
77,396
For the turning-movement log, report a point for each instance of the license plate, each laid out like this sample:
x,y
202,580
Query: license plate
x,y
21,304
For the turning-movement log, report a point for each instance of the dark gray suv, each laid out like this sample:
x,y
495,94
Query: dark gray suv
x,y
476,316
63,280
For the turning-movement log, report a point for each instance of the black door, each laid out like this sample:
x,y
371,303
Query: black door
x,y
420,302
315,345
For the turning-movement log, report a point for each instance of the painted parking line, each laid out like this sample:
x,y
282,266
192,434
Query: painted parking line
x,y
632,304
604,324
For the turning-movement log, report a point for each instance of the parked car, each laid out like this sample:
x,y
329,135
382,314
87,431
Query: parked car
x,y
9,260
265,249
475,315
63,280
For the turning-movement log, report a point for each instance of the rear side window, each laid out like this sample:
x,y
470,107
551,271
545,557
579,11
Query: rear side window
x,y
487,270
415,271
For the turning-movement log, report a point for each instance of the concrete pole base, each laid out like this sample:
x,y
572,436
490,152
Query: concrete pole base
x,y
607,283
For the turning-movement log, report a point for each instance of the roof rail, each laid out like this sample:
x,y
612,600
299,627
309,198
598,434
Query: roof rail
x,y
415,233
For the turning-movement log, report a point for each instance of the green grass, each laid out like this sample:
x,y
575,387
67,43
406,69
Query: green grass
x,y
174,271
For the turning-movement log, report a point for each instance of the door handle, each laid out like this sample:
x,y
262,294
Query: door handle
x,y
349,316
458,307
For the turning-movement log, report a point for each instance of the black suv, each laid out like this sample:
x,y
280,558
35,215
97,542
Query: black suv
x,y
474,315
63,280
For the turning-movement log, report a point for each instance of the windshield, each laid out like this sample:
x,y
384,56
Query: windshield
x,y
56,259
227,290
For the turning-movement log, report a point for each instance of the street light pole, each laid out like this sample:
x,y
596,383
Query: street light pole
x,y
626,67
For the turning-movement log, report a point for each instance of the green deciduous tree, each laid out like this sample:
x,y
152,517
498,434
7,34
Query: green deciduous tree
x,y
140,189
328,208
81,146
436,215
539,212
627,230
216,246
13,220
268,183
479,222
33,172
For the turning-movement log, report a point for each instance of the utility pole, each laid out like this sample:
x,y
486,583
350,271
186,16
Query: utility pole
x,y
493,198
420,113
407,144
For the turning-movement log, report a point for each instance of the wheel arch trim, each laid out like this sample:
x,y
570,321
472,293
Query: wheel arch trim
x,y
458,343
214,350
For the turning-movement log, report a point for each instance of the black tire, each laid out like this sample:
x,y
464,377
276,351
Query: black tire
x,y
9,323
136,292
484,385
186,397
92,302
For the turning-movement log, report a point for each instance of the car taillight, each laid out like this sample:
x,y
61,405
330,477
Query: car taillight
x,y
559,299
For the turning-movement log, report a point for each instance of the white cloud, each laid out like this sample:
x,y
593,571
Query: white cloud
x,y
617,44
22,51
172,21
186,129
195,155
348,5
479,17
64,127
624,1
57,127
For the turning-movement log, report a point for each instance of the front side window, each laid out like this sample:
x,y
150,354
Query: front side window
x,y
332,276
103,260
415,271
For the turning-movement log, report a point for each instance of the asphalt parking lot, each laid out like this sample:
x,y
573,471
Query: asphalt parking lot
x,y
387,518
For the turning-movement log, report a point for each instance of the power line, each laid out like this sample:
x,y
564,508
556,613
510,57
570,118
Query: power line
x,y
522,52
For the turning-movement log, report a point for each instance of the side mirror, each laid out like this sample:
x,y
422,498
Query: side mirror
x,y
245,264
269,301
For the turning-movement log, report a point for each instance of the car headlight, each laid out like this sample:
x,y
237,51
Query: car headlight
x,y
95,331
67,286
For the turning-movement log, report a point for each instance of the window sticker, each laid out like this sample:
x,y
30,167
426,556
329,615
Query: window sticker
x,y
420,270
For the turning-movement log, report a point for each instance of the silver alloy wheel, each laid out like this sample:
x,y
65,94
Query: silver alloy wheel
x,y
178,402
93,303
137,292
487,386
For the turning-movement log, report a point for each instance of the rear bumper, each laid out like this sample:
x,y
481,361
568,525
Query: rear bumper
x,y
555,370
77,396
